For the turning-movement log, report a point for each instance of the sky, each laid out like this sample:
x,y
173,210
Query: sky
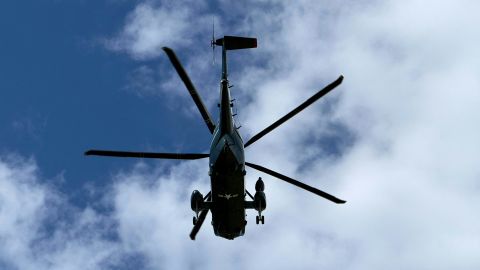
x,y
398,139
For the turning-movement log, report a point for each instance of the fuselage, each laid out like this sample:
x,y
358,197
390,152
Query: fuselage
x,y
227,171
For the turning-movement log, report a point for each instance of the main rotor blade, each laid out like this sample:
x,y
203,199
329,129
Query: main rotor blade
x,y
296,183
291,114
200,220
144,154
191,89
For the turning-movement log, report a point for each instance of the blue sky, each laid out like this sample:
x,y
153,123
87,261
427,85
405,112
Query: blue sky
x,y
398,139
64,92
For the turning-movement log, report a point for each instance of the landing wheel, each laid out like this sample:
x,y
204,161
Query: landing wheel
x,y
196,201
194,220
259,219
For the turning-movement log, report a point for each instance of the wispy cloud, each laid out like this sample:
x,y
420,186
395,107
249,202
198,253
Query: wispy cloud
x,y
154,24
30,127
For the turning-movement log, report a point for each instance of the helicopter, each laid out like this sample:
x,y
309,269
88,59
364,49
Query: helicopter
x,y
227,200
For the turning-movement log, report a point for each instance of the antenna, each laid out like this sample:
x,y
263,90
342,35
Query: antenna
x,y
212,42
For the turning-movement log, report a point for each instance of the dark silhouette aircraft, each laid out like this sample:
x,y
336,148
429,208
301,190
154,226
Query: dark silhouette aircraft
x,y
227,199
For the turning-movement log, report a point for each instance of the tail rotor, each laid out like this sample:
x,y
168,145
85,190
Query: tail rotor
x,y
212,42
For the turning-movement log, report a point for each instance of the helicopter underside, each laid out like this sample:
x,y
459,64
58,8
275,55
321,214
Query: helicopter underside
x,y
228,194
228,207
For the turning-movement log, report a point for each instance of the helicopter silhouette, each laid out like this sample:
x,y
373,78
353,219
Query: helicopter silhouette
x,y
227,199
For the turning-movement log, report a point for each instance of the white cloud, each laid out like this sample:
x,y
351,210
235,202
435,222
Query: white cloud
x,y
149,28
39,229
154,24
185,27
409,171
409,99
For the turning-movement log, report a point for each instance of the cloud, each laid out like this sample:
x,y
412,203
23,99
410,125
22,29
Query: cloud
x,y
143,82
31,127
405,120
39,229
154,24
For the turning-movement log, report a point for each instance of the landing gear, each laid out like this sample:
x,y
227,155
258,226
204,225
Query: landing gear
x,y
259,200
259,219
195,220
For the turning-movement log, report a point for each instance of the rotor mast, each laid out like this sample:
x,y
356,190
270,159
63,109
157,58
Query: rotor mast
x,y
226,121
224,61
